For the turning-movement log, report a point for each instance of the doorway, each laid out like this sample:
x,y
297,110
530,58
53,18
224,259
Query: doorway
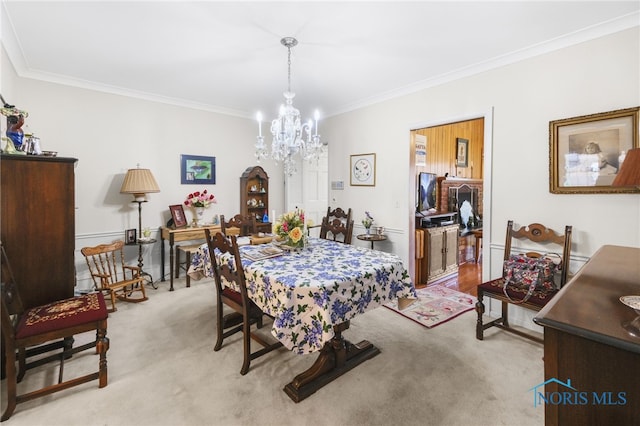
x,y
441,159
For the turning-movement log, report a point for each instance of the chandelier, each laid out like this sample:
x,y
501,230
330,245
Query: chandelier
x,y
290,135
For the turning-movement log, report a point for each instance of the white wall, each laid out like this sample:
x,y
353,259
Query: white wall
x,y
596,76
110,134
591,77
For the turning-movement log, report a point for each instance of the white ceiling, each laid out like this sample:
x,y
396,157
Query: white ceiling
x,y
227,56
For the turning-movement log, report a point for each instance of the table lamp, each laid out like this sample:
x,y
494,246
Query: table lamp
x,y
629,173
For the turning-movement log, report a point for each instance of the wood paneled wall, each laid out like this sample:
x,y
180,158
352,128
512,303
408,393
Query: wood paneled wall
x,y
441,148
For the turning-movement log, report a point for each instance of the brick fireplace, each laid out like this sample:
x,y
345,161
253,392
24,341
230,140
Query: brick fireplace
x,y
463,186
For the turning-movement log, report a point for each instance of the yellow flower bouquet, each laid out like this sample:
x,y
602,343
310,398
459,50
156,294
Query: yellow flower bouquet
x,y
290,228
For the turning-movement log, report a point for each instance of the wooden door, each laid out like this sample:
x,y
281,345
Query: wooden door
x,y
451,251
435,248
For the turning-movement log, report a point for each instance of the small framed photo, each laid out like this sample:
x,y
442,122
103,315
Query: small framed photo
x,y
177,214
585,153
130,236
363,170
197,170
462,152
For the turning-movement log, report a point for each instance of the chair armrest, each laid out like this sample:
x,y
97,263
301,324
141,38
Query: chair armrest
x,y
103,276
135,270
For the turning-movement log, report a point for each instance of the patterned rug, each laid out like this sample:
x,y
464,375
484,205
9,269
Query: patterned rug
x,y
435,305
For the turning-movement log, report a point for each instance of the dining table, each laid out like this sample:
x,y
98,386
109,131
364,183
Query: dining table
x,y
312,293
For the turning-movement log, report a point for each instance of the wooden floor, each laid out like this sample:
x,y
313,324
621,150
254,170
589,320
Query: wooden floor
x,y
468,277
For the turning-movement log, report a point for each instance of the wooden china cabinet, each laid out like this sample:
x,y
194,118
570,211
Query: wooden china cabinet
x,y
38,225
254,196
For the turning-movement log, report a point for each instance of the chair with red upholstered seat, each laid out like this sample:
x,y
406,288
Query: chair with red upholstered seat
x,y
540,237
38,329
246,312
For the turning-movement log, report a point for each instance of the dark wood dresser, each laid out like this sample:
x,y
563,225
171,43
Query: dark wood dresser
x,y
38,225
586,343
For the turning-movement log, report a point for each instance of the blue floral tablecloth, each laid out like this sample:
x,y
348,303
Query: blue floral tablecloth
x,y
310,291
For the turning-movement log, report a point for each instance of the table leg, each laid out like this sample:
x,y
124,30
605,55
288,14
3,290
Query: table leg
x,y
477,247
171,260
161,258
336,358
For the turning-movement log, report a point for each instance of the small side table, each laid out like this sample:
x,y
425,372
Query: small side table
x,y
140,259
371,237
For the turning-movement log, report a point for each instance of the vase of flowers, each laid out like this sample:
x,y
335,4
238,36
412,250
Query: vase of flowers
x,y
199,201
291,229
367,222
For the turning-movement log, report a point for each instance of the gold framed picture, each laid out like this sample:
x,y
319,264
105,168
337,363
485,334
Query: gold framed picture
x,y
585,153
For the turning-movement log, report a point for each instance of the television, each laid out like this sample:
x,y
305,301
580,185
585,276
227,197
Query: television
x,y
427,193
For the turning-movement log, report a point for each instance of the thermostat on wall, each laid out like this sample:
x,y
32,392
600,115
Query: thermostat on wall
x,y
337,185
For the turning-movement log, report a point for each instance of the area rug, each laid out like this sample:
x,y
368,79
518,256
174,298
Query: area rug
x,y
435,305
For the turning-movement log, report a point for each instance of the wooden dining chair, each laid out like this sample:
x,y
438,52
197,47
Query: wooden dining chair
x,y
337,225
239,225
544,238
245,312
39,330
112,275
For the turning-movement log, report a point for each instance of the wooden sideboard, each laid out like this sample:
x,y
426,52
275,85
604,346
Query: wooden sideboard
x,y
585,341
176,235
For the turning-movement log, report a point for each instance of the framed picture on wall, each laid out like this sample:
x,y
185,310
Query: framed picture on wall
x,y
462,152
177,214
197,170
585,152
363,170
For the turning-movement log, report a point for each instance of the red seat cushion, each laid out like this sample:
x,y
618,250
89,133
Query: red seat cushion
x,y
538,298
254,310
62,314
232,294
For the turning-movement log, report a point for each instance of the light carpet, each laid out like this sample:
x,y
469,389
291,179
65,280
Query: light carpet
x,y
163,371
435,305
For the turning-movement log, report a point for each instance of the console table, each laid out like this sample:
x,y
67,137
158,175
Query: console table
x,y
180,234
586,342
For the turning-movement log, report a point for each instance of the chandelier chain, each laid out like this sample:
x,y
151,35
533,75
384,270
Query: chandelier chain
x,y
289,69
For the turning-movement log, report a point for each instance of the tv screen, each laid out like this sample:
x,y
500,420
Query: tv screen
x,y
427,191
